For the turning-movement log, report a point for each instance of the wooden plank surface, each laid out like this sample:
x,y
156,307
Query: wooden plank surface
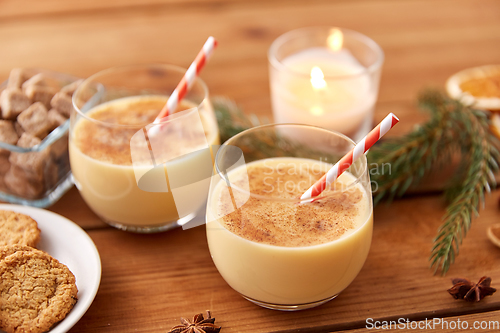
x,y
72,204
149,281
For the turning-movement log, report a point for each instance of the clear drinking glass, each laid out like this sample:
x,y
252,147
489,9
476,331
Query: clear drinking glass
x,y
325,76
275,250
133,174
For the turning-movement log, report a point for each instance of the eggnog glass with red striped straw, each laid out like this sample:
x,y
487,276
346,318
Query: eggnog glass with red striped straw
x,y
119,171
268,246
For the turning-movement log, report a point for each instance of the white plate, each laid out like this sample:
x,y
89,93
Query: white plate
x,y
70,244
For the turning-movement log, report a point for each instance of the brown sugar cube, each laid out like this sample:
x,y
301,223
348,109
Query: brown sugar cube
x,y
32,161
16,78
51,175
35,80
41,88
8,135
42,79
23,187
55,118
34,120
4,165
13,102
8,132
19,129
43,135
3,187
71,88
26,174
43,94
62,103
59,147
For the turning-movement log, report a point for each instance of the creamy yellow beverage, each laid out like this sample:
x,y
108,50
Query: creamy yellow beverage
x,y
103,166
275,250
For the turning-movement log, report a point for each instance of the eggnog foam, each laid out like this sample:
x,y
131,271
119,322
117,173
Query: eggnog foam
x,y
112,144
287,223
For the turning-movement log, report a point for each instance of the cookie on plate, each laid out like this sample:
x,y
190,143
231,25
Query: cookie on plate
x,y
36,291
11,249
16,228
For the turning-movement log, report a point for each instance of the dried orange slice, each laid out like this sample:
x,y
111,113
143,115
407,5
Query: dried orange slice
x,y
495,124
477,86
494,234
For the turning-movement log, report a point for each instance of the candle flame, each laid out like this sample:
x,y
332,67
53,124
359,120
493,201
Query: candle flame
x,y
317,78
335,40
316,111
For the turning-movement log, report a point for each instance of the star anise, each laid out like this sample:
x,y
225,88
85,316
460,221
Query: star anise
x,y
471,292
198,325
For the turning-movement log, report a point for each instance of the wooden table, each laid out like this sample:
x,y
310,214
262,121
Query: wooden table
x,y
149,281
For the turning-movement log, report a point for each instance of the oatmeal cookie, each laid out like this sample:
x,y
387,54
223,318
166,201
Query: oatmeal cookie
x,y
36,292
11,249
16,228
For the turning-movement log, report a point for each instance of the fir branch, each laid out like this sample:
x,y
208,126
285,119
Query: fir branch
x,y
412,156
230,118
480,148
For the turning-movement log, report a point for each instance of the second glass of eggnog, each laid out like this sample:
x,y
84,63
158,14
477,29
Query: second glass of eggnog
x,y
129,173
274,249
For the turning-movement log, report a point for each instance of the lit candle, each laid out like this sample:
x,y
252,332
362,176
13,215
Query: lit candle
x,y
325,86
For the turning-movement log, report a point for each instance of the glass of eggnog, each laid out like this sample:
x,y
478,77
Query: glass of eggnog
x,y
130,169
275,250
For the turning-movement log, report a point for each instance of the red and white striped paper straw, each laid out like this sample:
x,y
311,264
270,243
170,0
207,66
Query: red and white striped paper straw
x,y
188,79
346,161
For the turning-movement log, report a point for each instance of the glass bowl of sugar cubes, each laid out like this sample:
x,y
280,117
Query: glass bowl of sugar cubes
x,y
35,105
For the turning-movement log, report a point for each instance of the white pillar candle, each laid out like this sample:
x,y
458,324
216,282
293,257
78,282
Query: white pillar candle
x,y
325,86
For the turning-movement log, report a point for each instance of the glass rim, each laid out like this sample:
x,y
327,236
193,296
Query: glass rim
x,y
282,39
350,185
179,69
